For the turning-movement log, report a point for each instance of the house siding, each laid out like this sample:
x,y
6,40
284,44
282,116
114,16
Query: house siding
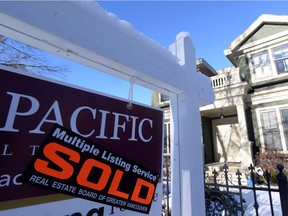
x,y
266,31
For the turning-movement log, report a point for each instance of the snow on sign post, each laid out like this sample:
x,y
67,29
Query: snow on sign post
x,y
78,143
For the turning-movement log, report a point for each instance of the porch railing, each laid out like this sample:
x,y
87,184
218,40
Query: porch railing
x,y
225,78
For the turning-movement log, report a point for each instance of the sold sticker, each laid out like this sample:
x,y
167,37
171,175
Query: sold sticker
x,y
71,164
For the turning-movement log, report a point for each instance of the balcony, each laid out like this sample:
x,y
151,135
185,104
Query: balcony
x,y
225,77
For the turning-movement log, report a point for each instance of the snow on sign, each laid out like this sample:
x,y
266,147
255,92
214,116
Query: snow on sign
x,y
31,107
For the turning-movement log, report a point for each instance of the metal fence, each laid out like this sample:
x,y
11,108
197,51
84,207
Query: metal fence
x,y
224,191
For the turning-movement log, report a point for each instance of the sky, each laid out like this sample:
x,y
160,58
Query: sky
x,y
213,26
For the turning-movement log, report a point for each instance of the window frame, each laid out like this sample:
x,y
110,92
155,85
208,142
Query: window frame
x,y
272,129
281,59
167,141
163,98
283,124
273,68
277,109
261,65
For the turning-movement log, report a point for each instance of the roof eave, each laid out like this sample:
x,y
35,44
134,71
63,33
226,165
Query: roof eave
x,y
205,68
232,52
264,18
230,55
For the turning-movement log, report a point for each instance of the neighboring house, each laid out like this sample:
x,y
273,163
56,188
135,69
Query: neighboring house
x,y
250,111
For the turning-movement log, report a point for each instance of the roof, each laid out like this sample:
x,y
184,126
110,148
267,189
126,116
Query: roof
x,y
205,68
249,32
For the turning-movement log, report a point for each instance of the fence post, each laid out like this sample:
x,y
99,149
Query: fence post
x,y
283,189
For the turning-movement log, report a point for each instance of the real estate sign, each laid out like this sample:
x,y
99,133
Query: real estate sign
x,y
75,142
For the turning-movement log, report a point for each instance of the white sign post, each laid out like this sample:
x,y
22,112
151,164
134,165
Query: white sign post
x,y
187,161
84,33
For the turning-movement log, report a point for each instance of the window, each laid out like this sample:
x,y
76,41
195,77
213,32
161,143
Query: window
x,y
284,118
281,58
271,131
167,138
261,64
163,98
274,128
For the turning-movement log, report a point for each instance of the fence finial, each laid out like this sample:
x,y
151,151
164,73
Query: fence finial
x,y
283,189
280,167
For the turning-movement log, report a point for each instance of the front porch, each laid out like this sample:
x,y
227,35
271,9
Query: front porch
x,y
225,123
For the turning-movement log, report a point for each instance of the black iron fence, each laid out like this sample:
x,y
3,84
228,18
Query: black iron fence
x,y
224,191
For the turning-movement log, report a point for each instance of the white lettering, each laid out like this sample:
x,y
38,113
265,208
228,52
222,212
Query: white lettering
x,y
133,129
117,125
59,134
73,120
6,179
103,125
58,119
140,129
34,148
5,151
13,110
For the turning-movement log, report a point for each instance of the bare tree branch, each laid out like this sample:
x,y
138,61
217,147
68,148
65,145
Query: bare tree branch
x,y
21,56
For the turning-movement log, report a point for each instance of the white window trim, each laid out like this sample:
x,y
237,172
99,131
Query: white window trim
x,y
282,136
168,141
163,103
273,68
280,126
274,47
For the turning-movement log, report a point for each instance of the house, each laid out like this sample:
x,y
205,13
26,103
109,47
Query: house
x,y
251,97
250,111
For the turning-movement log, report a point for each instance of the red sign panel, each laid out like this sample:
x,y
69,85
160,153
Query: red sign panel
x,y
30,107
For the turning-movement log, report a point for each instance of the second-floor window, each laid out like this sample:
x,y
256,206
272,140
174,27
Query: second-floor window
x,y
280,55
261,64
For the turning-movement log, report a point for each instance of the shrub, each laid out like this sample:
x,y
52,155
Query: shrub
x,y
268,160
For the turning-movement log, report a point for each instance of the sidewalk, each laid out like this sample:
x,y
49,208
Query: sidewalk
x,y
263,202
